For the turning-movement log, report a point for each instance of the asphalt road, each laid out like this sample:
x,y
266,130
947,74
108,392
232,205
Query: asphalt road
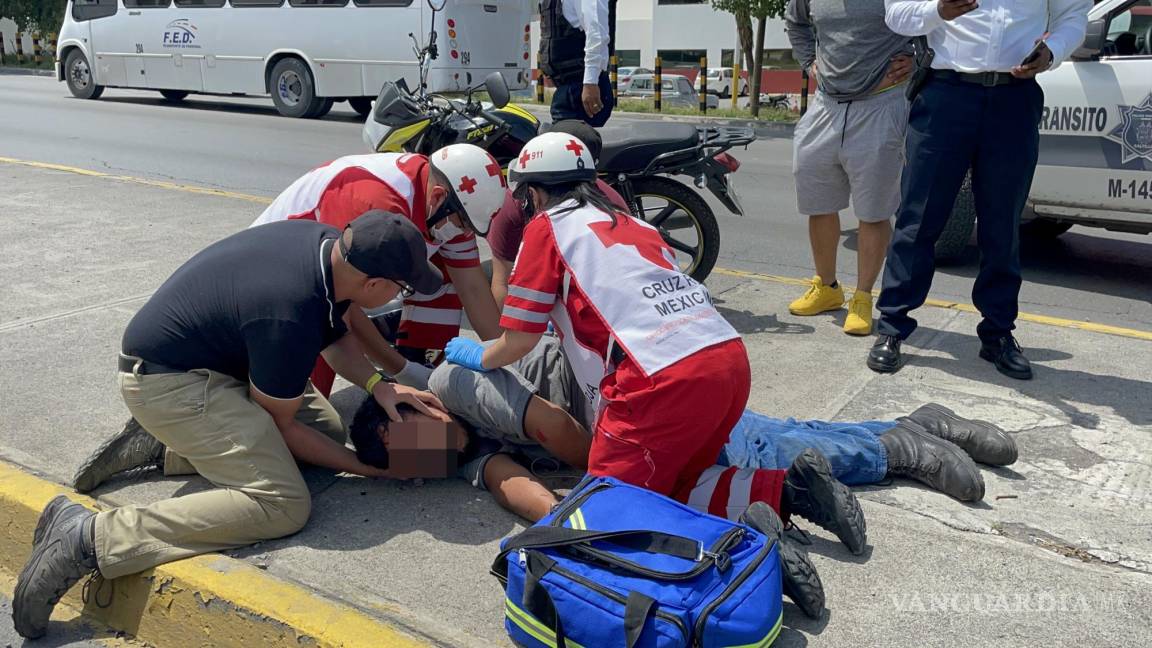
x,y
243,145
65,631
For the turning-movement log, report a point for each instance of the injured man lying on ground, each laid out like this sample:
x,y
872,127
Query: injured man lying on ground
x,y
520,420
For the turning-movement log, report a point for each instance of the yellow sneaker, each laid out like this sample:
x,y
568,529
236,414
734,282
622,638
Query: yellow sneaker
x,y
859,320
818,299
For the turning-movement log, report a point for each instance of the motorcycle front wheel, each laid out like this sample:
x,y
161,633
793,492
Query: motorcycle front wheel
x,y
683,218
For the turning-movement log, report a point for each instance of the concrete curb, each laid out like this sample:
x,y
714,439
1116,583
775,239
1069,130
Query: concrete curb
x,y
761,128
209,600
18,71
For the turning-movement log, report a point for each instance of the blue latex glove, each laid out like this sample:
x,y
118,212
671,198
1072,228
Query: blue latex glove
x,y
465,352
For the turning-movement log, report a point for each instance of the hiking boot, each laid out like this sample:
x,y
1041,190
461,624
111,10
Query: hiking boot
x,y
63,554
798,574
819,299
983,441
930,460
811,492
859,320
131,449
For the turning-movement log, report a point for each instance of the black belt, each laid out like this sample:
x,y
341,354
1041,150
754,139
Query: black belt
x,y
986,79
129,364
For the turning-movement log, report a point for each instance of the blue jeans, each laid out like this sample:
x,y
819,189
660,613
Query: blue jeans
x,y
567,102
853,449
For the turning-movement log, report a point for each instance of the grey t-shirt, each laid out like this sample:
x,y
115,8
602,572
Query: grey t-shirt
x,y
849,41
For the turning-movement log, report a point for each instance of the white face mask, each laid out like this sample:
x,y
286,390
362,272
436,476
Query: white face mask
x,y
446,231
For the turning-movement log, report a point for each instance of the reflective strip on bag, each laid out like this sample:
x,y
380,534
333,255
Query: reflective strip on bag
x,y
534,628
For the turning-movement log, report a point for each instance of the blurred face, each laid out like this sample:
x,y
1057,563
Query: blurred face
x,y
409,416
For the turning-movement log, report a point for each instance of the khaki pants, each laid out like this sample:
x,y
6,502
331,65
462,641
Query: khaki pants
x,y
208,419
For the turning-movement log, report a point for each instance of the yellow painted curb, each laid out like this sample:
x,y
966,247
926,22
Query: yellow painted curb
x,y
209,600
1059,322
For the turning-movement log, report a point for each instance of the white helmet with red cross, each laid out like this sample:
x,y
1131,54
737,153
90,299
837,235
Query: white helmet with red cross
x,y
477,182
551,159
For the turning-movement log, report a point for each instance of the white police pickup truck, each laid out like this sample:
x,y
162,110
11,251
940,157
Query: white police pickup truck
x,y
1095,166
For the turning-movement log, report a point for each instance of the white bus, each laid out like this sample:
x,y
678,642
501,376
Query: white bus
x,y
305,53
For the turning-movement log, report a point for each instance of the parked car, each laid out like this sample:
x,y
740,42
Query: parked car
x,y
720,82
675,90
624,74
1095,166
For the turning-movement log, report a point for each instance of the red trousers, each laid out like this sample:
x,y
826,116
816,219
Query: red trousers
x,y
663,431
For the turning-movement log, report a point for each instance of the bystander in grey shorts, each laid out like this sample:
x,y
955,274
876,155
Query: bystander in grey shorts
x,y
494,403
851,149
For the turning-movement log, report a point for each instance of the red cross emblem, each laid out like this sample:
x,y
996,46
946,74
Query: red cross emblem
x,y
646,240
575,147
494,171
524,157
467,185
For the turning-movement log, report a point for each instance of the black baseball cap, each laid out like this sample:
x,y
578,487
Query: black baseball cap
x,y
388,246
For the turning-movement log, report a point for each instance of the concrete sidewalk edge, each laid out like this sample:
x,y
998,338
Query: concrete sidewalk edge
x,y
19,71
207,600
762,128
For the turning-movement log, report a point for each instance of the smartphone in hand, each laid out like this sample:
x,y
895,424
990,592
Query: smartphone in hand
x,y
1036,51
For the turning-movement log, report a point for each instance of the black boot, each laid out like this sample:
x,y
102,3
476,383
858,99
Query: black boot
x,y
799,577
811,492
916,454
63,552
984,442
131,450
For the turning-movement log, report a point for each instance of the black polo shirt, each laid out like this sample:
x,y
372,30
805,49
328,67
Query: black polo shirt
x,y
258,306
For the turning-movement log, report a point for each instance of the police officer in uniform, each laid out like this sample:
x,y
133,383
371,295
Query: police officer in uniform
x,y
576,39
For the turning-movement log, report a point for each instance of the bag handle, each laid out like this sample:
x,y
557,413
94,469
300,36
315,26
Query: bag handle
x,y
538,602
540,537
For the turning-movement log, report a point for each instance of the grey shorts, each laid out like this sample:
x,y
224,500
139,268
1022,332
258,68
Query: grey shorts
x,y
851,150
494,403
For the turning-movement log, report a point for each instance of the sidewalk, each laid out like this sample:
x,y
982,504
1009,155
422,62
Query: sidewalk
x,y
1059,553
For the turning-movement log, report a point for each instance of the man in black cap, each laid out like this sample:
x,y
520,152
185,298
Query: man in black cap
x,y
215,366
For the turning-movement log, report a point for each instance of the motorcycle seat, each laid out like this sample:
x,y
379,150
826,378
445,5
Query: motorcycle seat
x,y
632,148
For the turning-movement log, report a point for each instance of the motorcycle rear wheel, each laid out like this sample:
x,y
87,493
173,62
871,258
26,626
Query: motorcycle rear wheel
x,y
683,218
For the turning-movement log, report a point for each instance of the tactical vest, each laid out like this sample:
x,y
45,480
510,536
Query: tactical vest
x,y
561,55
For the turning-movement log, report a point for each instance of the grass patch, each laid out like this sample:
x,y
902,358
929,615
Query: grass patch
x,y
9,60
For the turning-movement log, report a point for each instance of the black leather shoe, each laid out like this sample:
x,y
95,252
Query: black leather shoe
x,y
885,354
1005,353
917,454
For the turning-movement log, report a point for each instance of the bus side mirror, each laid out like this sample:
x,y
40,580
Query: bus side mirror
x,y
497,89
1095,38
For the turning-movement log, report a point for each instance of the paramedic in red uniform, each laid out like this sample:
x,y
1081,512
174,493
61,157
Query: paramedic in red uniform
x,y
450,196
667,376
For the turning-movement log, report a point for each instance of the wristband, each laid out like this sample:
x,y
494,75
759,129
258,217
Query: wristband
x,y
376,377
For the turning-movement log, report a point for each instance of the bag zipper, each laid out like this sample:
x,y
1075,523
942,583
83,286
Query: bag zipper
x,y
715,556
732,587
604,591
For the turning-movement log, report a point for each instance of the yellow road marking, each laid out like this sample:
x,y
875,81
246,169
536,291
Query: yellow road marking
x,y
968,308
143,181
1059,322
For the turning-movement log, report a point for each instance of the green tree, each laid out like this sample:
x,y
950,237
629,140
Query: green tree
x,y
745,11
35,15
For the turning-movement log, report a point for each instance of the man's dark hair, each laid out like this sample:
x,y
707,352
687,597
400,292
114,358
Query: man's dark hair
x,y
583,132
365,432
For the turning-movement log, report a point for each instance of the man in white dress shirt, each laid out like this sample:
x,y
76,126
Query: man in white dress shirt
x,y
979,108
576,39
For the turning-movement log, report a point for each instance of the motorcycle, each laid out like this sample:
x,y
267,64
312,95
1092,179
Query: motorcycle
x,y
638,161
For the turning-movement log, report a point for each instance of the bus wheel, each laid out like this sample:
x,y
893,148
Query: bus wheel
x,y
78,73
173,95
362,105
293,90
321,107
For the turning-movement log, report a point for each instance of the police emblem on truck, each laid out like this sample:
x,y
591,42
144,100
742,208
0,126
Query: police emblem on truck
x,y
1134,132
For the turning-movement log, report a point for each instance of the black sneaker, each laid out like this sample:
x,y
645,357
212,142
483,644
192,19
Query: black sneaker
x,y
63,554
798,574
811,492
133,449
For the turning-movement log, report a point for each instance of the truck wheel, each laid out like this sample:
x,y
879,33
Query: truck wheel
x,y
1044,228
958,231
362,105
78,73
293,89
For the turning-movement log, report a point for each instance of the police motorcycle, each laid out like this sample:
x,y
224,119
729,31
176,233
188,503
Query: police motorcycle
x,y
639,161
